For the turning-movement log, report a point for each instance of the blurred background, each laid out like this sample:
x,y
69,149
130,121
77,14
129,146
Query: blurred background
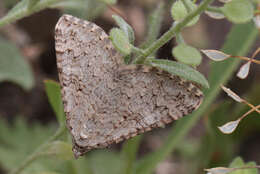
x,y
27,119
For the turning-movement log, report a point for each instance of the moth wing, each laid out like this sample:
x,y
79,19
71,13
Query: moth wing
x,y
106,101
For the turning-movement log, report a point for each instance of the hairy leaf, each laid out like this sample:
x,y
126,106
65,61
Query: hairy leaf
x,y
125,27
179,12
179,69
120,41
187,54
238,11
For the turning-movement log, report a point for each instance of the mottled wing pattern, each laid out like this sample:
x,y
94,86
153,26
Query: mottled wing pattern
x,y
106,101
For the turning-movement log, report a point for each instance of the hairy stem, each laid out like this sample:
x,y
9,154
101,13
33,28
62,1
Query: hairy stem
x,y
171,32
24,11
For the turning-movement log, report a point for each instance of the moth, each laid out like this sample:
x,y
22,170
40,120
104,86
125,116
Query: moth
x,y
106,101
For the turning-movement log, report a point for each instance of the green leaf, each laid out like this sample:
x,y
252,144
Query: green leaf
x,y
187,54
13,66
252,170
53,91
179,12
59,149
238,11
238,162
125,27
179,69
120,41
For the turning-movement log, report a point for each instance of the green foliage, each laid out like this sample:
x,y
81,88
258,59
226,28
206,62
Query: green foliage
x,y
187,54
54,156
120,41
129,32
238,162
238,42
13,66
238,11
124,26
179,69
179,12
54,95
19,140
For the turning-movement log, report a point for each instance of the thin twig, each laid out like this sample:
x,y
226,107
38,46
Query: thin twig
x,y
247,59
249,112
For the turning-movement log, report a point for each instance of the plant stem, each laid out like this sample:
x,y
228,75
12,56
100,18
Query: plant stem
x,y
25,11
251,106
249,112
37,153
171,32
137,50
255,53
247,59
